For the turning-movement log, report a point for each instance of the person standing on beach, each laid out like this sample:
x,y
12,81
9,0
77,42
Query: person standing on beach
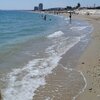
x,y
70,16
45,17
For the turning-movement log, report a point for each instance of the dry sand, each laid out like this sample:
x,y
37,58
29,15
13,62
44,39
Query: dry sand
x,y
89,62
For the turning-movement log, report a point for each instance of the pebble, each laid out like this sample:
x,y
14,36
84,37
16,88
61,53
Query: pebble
x,y
83,63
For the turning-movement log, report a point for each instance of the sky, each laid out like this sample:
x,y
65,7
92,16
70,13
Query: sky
x,y
29,4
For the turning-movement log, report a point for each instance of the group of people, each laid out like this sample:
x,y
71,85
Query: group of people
x,y
45,17
70,17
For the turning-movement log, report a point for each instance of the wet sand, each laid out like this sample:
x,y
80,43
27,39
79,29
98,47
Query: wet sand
x,y
62,84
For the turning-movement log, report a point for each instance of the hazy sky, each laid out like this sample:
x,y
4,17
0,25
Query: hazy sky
x,y
29,4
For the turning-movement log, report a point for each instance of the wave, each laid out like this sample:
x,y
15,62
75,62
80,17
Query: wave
x,y
56,34
80,28
23,82
66,19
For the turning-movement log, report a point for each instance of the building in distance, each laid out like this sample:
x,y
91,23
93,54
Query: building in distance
x,y
36,8
40,6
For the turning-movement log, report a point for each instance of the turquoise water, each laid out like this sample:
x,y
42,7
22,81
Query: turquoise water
x,y
30,48
15,26
18,29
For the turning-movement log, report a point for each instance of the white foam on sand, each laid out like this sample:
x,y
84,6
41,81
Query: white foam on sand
x,y
82,90
23,82
80,28
56,34
74,98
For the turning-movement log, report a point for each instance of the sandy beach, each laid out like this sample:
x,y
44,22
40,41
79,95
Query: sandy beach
x,y
89,62
88,65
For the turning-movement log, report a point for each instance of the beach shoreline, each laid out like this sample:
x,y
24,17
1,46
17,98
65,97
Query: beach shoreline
x,y
86,92
51,90
77,75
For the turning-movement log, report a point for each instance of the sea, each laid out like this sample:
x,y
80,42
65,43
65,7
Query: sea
x,y
31,47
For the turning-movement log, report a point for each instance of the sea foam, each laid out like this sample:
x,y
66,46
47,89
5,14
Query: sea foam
x,y
79,28
23,82
56,34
